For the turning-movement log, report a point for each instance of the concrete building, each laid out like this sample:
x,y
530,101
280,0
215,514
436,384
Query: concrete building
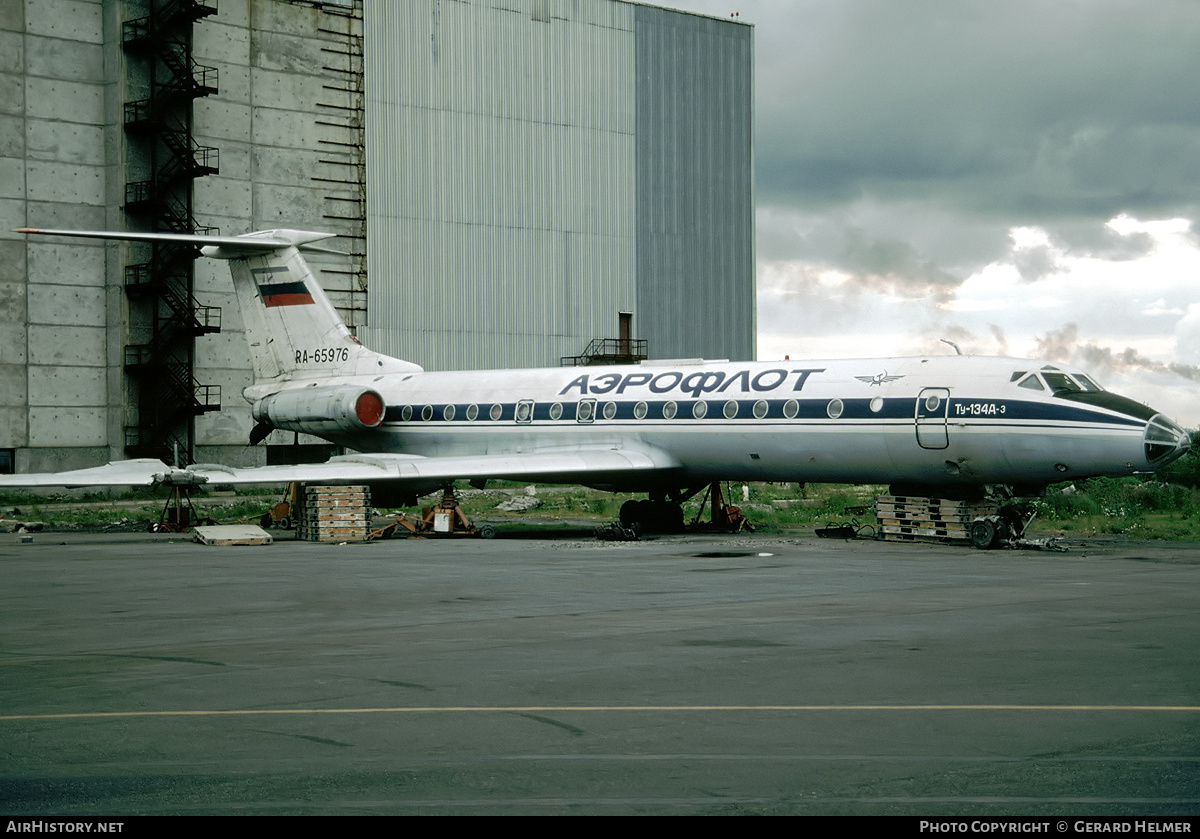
x,y
513,179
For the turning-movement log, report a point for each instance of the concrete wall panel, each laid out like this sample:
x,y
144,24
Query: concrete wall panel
x,y
61,459
66,264
66,305
229,197
220,41
63,59
63,182
68,427
67,216
64,142
285,90
277,205
288,167
12,52
288,54
12,213
12,271
13,428
220,121
12,345
70,101
13,383
228,349
212,280
289,129
71,387
12,178
12,94
67,345
287,19
12,145
73,20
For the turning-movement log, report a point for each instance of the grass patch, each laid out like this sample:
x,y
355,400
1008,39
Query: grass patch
x,y
1145,509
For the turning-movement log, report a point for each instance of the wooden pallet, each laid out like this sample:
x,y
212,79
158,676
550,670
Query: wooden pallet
x,y
908,518
335,514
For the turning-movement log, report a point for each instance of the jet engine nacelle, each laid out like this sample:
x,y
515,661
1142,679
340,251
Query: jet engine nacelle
x,y
321,410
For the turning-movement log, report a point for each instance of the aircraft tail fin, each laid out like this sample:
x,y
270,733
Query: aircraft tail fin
x,y
293,330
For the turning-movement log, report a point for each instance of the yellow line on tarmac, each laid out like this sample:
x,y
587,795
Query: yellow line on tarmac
x,y
566,709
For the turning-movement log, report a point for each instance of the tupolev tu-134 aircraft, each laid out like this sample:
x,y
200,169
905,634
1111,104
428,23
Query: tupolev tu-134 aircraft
x,y
937,426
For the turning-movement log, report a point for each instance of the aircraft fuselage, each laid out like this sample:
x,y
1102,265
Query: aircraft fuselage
x,y
953,421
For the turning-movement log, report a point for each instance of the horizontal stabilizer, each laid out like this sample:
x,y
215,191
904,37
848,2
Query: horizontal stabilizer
x,y
264,240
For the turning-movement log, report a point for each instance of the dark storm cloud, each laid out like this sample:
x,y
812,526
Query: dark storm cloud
x,y
899,143
886,264
1063,345
1029,109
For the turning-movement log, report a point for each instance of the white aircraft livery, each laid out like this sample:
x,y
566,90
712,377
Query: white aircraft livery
x,y
941,426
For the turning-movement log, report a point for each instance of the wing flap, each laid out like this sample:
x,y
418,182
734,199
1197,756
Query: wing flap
x,y
565,466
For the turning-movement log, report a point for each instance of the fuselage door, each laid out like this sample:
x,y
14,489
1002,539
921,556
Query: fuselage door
x,y
932,407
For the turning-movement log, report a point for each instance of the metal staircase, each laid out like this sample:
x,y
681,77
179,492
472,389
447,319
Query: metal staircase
x,y
167,159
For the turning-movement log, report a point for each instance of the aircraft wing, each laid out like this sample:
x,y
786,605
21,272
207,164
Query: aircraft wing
x,y
571,465
142,472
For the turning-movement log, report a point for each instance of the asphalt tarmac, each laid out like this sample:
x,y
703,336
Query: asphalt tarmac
x,y
755,674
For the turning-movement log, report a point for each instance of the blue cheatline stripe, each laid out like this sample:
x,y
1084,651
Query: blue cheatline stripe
x,y
1014,413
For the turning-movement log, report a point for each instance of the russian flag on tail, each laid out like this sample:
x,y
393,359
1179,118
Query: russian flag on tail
x,y
288,293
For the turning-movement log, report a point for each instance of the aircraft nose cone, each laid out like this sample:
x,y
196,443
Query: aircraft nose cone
x,y
1164,441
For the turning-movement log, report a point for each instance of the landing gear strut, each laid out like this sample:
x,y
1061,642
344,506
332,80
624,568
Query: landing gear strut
x,y
1008,527
657,515
664,514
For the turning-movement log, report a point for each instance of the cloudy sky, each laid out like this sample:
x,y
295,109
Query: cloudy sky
x,y
1022,178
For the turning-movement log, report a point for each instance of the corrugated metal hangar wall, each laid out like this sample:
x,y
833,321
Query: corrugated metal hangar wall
x,y
538,166
508,176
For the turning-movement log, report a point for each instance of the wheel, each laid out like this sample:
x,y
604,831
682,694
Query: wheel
x,y
983,534
265,521
487,532
631,511
284,523
153,527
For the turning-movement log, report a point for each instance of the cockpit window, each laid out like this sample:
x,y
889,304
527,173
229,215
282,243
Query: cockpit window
x,y
1016,375
1061,383
1032,382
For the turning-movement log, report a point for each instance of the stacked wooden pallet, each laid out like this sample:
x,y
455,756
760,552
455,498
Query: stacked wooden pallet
x,y
904,518
335,514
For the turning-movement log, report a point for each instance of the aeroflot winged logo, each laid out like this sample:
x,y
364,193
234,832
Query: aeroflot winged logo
x,y
878,378
292,293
